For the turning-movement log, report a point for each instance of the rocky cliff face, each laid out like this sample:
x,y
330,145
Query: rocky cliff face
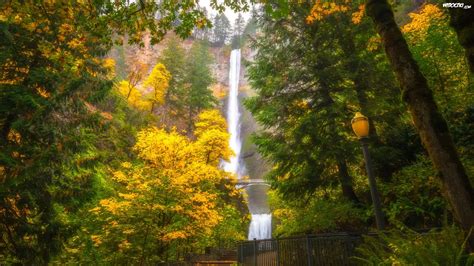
x,y
256,166
128,55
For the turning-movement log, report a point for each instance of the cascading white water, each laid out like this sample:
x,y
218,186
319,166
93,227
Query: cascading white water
x,y
233,115
261,224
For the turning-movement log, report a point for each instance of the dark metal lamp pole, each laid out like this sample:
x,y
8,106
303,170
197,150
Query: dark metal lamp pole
x,y
360,125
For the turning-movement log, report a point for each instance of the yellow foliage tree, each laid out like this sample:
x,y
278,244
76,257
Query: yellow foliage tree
x,y
209,119
136,70
132,94
420,22
440,57
212,137
322,9
158,82
172,197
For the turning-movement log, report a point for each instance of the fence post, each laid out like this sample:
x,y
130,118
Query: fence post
x,y
278,253
309,250
255,252
241,249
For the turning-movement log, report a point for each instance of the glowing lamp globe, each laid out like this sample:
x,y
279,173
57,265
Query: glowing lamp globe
x,y
360,125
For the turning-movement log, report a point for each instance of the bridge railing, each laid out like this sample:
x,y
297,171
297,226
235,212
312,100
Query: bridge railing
x,y
251,182
322,249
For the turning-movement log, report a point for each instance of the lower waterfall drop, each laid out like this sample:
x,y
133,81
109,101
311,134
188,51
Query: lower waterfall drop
x,y
260,226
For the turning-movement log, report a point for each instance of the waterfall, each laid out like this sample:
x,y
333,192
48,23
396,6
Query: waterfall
x,y
260,224
233,115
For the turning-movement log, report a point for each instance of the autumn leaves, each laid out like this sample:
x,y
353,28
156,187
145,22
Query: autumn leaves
x,y
171,192
157,82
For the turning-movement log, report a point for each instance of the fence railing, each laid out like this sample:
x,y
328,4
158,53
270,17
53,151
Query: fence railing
x,y
322,249
223,255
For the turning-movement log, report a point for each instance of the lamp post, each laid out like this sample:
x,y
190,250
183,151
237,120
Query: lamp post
x,y
360,125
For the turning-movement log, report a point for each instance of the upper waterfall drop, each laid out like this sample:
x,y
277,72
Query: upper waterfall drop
x,y
233,115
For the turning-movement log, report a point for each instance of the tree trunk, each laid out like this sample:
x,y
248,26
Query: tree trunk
x,y
428,121
346,182
130,88
462,21
6,128
190,122
152,107
344,178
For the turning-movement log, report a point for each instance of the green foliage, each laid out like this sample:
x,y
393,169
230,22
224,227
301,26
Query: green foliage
x,y
308,87
48,156
315,215
250,29
413,196
229,231
238,30
221,30
114,145
189,89
406,247
198,79
174,59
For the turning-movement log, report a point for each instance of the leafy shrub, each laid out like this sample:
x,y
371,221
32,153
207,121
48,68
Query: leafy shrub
x,y
407,247
316,215
413,196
